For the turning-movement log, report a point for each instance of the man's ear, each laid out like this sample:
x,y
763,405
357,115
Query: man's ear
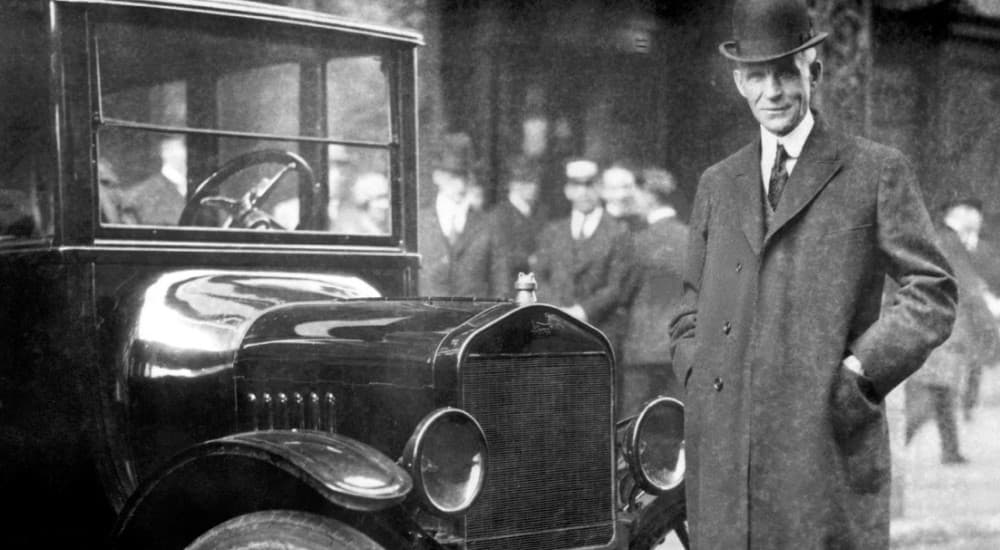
x,y
738,79
816,71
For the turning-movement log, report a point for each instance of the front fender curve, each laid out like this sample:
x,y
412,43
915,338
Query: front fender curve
x,y
222,478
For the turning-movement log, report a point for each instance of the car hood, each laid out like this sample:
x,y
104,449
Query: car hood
x,y
194,323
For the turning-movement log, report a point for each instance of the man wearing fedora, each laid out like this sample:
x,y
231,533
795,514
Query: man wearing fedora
x,y
460,251
781,340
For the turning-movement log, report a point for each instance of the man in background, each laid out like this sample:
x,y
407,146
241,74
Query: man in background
x,y
367,211
583,260
657,284
461,252
520,219
935,389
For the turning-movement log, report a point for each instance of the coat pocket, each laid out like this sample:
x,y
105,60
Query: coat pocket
x,y
860,432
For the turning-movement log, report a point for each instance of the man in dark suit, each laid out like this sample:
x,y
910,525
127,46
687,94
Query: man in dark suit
x,y
583,260
645,367
780,338
461,252
159,199
520,219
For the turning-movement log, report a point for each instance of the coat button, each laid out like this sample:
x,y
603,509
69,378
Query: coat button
x,y
717,384
739,267
726,327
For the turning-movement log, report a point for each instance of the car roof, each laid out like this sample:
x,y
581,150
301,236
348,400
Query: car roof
x,y
269,12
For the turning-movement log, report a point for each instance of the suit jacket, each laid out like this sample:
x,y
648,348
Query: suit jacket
x,y
153,201
591,272
518,235
659,266
779,436
473,266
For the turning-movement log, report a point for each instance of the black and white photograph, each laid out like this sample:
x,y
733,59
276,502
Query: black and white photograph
x,y
500,275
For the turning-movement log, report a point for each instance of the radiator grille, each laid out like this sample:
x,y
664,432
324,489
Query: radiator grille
x,y
547,419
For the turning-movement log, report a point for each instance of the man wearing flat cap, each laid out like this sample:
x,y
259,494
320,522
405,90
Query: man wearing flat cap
x,y
781,340
583,260
460,251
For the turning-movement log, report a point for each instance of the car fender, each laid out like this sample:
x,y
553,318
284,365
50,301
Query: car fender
x,y
237,474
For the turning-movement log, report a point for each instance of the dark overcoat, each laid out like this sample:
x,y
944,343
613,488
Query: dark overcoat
x,y
591,272
787,448
153,201
473,266
518,234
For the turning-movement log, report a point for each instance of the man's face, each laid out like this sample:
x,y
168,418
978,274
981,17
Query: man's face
x,y
583,197
778,91
450,185
527,191
618,191
967,222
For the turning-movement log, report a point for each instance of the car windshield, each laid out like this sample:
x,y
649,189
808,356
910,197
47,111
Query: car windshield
x,y
233,125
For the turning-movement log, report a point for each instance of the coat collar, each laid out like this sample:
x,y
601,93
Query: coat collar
x,y
818,163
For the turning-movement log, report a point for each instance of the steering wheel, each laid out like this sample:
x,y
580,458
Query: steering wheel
x,y
245,212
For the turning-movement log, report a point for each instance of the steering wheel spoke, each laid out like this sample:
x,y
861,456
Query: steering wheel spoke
x,y
245,212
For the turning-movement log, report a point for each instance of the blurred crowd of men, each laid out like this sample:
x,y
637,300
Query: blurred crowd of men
x,y
615,262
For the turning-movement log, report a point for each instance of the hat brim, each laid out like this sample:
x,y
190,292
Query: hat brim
x,y
728,49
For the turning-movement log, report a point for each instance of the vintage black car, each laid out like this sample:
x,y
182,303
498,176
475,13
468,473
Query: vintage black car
x,y
203,207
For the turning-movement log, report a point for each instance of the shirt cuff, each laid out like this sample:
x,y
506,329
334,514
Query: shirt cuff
x,y
853,364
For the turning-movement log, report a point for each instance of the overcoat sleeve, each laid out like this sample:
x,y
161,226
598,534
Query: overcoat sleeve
x,y
684,321
921,313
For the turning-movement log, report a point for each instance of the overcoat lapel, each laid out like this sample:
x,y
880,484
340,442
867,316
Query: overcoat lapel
x,y
748,183
815,168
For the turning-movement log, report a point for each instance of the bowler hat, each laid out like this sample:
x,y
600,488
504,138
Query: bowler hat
x,y
455,154
765,30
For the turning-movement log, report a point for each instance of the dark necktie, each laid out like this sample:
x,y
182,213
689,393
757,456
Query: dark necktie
x,y
779,177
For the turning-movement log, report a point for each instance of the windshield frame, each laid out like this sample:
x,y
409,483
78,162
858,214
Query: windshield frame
x,y
398,56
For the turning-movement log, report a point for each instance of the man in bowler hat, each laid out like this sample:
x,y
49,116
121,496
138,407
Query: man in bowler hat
x,y
461,254
781,339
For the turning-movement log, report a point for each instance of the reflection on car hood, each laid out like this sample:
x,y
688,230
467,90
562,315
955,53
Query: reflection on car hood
x,y
194,323
191,322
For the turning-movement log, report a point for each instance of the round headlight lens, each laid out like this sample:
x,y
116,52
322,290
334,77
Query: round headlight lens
x,y
656,445
446,456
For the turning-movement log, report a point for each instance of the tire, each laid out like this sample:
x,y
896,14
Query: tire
x,y
283,530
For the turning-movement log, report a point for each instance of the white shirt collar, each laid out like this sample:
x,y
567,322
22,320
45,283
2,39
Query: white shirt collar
x,y
793,143
660,213
583,225
175,177
451,214
520,204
